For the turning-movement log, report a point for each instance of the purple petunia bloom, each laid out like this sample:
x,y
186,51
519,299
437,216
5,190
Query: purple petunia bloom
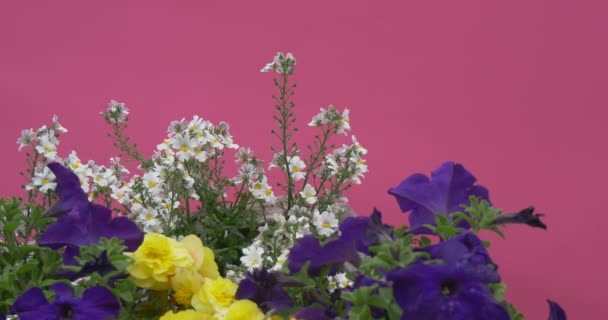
x,y
467,251
97,303
334,253
444,291
311,313
81,223
448,188
365,231
263,288
556,312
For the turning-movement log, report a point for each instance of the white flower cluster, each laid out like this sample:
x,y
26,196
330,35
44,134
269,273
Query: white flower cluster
x,y
116,112
271,248
339,281
281,64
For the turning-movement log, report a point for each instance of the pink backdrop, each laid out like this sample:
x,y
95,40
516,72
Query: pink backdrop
x,y
512,89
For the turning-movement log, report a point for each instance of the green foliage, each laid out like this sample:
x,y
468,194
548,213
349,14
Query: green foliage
x,y
364,298
389,255
480,215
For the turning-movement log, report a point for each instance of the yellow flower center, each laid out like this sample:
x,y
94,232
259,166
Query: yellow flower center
x,y
184,148
257,186
268,192
296,169
325,225
45,181
48,149
151,184
310,195
183,297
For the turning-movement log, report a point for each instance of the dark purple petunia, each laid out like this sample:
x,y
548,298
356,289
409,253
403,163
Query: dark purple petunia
x,y
365,231
311,313
467,251
334,253
525,216
444,291
263,288
97,303
556,312
448,188
82,223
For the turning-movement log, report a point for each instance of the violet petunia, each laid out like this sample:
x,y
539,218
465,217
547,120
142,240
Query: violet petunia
x,y
311,313
265,289
81,223
444,291
467,251
335,252
555,311
449,187
365,231
97,303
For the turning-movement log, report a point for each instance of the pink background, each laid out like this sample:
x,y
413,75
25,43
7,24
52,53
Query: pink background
x,y
515,90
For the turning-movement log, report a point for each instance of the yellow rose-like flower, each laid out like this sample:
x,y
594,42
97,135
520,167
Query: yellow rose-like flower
x,y
185,283
187,315
204,259
216,295
244,310
156,260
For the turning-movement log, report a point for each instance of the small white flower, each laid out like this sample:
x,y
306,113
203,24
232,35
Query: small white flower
x,y
326,223
281,259
281,63
44,180
185,146
46,147
358,147
27,136
57,126
121,194
343,281
116,112
344,122
152,181
262,190
252,257
309,194
296,167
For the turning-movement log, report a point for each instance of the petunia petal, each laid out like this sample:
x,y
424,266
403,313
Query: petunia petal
x,y
556,312
99,304
72,199
32,299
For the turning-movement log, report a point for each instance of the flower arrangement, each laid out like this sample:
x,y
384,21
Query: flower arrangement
x,y
182,240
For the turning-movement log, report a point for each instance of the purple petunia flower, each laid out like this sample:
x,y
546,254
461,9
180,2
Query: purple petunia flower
x,y
467,251
263,288
311,313
444,291
448,188
365,231
335,252
97,303
82,223
556,312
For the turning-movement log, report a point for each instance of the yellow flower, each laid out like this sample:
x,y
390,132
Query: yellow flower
x,y
204,259
156,260
187,315
186,283
216,294
244,310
